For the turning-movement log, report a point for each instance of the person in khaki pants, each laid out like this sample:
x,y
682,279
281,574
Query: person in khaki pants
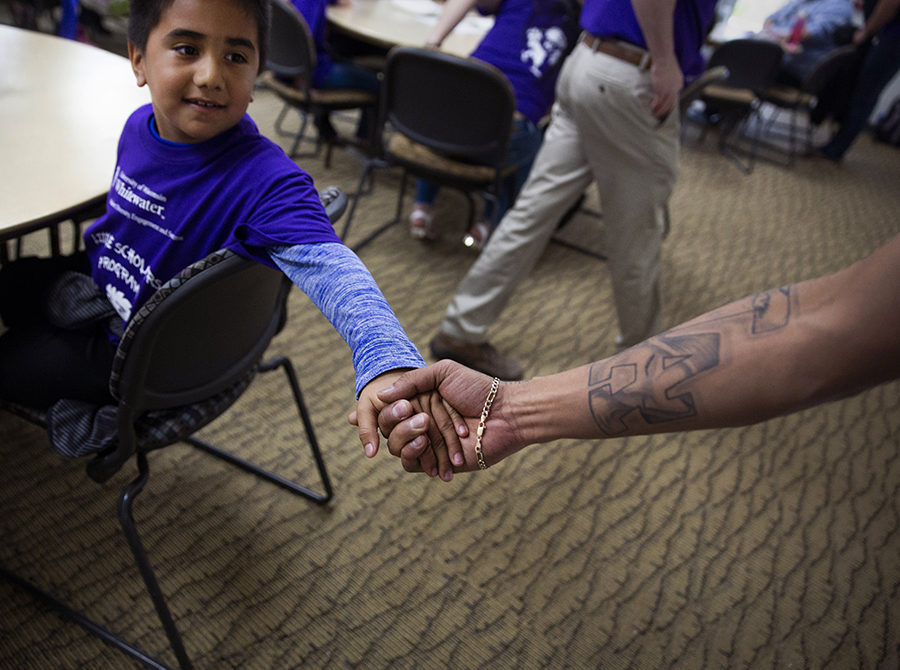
x,y
615,121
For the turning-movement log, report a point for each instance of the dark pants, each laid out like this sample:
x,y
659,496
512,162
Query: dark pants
x,y
880,65
40,363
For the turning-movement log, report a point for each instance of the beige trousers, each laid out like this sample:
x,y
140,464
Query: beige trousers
x,y
601,130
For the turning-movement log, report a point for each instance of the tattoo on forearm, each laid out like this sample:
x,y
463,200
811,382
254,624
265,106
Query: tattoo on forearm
x,y
648,386
771,310
649,378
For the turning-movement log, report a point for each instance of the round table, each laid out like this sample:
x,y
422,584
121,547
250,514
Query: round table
x,y
62,107
387,23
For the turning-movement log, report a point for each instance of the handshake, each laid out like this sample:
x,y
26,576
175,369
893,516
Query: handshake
x,y
431,419
766,355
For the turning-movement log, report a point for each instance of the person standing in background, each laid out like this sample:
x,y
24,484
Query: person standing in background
x,y
528,43
615,121
881,63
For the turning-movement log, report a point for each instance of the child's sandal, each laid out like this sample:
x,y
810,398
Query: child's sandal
x,y
421,226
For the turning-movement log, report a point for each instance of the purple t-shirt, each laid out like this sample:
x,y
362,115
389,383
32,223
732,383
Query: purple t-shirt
x,y
171,205
527,44
314,13
615,19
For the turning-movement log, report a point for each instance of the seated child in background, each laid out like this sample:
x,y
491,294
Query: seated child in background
x,y
331,74
193,175
528,43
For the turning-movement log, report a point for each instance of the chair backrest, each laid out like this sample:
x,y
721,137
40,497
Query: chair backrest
x,y
205,328
751,63
694,90
292,51
199,334
461,107
836,64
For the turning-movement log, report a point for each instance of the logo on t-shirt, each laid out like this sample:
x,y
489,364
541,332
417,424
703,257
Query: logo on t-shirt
x,y
544,49
120,303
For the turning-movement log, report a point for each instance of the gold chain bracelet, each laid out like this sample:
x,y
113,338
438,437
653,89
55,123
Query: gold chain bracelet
x,y
481,424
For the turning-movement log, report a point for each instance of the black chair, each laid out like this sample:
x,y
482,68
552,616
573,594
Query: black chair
x,y
290,63
451,118
752,67
186,356
829,70
693,91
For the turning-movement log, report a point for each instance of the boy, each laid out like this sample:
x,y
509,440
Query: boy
x,y
193,175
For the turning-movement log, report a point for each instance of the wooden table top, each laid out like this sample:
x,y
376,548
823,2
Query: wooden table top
x,y
62,108
388,23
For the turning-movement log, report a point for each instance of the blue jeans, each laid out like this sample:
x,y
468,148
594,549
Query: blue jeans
x,y
350,76
523,147
355,78
881,64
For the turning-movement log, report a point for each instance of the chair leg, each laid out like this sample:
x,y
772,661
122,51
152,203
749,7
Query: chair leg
x,y
570,213
126,500
362,180
299,135
730,124
246,466
280,120
378,231
296,145
76,617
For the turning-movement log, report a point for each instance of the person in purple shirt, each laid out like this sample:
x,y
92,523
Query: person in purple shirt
x,y
193,175
335,74
615,121
528,43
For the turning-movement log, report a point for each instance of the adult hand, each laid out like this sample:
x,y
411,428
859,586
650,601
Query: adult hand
x,y
466,390
667,81
441,430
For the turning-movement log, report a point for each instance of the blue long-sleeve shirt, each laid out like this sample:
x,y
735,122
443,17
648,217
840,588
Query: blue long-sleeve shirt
x,y
343,289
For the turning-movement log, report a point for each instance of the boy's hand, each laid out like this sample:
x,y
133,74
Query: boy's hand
x,y
445,448
408,429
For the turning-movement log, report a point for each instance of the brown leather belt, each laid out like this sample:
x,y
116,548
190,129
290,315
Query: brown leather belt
x,y
618,49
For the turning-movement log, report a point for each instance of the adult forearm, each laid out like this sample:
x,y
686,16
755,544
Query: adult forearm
x,y
760,357
884,11
452,14
656,20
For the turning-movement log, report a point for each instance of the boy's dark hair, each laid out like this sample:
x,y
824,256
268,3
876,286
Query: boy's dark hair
x,y
144,15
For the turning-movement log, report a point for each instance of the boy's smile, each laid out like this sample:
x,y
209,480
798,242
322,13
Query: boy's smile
x,y
200,63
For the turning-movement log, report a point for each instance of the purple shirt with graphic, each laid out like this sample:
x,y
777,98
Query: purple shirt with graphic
x,y
615,19
527,43
314,13
170,205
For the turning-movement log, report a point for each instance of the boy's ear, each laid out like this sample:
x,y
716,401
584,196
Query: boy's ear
x,y
136,56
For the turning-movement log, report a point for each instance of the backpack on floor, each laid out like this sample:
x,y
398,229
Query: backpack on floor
x,y
887,129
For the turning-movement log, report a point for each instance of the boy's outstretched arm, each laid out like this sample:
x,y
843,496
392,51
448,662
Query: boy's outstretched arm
x,y
763,356
340,285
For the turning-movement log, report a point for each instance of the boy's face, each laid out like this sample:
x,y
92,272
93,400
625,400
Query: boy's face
x,y
200,63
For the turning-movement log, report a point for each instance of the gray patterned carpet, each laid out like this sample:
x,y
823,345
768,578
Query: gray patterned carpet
x,y
773,546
